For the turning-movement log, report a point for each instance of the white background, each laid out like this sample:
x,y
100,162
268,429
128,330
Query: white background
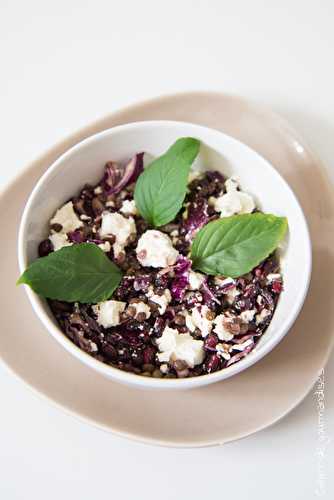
x,y
65,63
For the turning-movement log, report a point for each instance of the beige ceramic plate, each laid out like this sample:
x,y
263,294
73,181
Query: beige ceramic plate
x,y
210,415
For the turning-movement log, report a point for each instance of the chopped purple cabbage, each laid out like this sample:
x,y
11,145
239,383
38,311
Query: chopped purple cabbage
x,y
197,217
207,293
117,177
181,280
240,355
76,236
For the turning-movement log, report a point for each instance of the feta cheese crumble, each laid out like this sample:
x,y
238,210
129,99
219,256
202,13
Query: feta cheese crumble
x,y
141,307
93,346
108,312
231,295
180,346
220,330
262,316
155,249
223,351
106,247
69,221
85,217
162,300
199,318
196,280
164,368
274,277
120,227
242,347
67,218
129,207
233,201
59,240
231,291
248,315
224,281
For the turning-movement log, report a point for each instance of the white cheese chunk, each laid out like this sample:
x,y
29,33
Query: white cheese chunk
x,y
120,227
223,351
129,207
108,312
220,329
198,318
106,247
231,291
164,368
162,300
155,249
233,202
59,240
224,281
231,294
273,277
248,315
141,307
262,316
196,280
85,217
93,346
231,184
67,218
242,347
180,346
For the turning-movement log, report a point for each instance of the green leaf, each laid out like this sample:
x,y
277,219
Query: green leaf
x,y
160,190
233,246
77,273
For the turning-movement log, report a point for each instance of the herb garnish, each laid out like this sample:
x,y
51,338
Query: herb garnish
x,y
77,273
160,190
233,246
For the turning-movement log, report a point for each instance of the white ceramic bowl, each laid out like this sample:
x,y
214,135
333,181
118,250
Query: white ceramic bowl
x,y
84,163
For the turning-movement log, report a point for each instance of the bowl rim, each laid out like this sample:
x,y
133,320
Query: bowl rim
x,y
39,304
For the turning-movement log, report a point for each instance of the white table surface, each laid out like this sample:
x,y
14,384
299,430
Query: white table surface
x,y
66,63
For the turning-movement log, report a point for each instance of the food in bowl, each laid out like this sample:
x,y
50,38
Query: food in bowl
x,y
162,271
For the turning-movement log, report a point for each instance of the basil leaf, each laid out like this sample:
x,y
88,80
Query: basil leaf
x,y
233,246
77,273
161,188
